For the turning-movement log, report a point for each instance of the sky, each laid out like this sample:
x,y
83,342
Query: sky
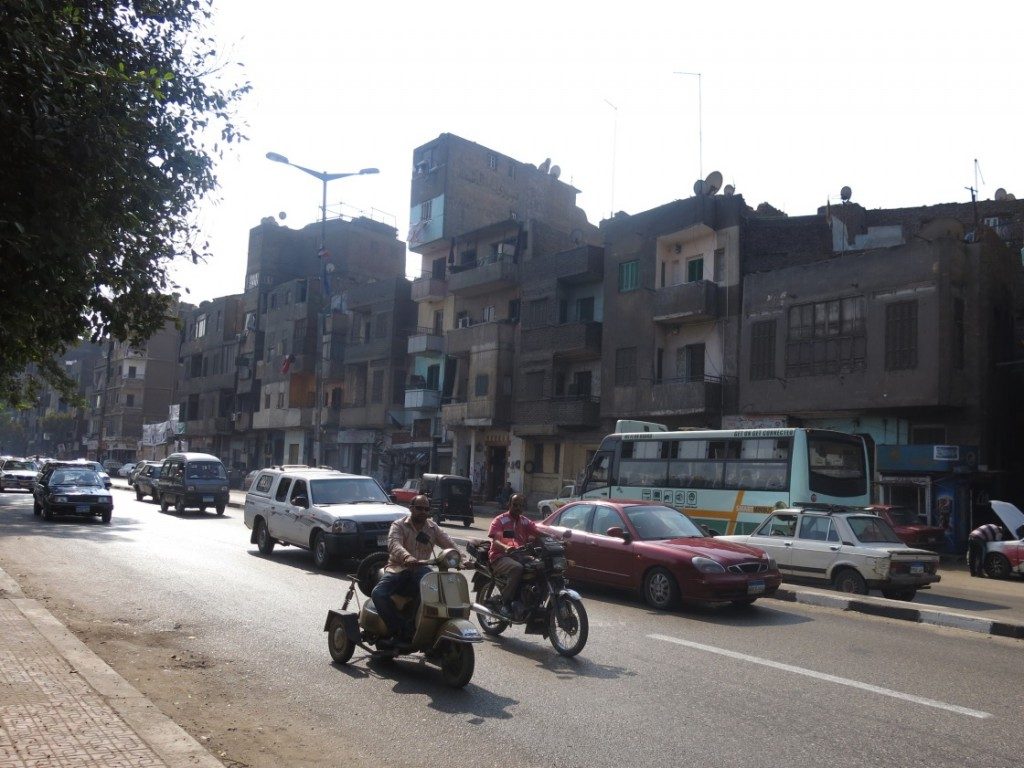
x,y
907,103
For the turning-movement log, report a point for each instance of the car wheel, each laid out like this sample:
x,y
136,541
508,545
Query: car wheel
x,y
321,557
107,515
179,505
36,509
338,642
997,566
545,511
221,508
47,512
264,541
138,493
850,581
467,522
163,504
1,487
660,589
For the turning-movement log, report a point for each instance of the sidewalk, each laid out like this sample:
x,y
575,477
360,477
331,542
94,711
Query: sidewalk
x,y
62,706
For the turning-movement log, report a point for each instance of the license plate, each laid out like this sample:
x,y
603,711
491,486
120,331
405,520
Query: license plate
x,y
382,541
82,509
755,587
208,499
916,568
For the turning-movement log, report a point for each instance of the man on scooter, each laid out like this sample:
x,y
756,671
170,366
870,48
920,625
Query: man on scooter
x,y
411,542
508,531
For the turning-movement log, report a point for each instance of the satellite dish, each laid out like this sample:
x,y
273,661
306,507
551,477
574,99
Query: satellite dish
x,y
556,171
698,187
1000,194
577,236
1010,196
712,183
846,193
728,190
282,215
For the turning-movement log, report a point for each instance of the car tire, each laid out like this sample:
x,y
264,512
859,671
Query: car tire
x,y
660,589
1,487
36,509
47,512
179,505
321,557
163,504
264,541
107,516
138,494
997,566
545,511
467,522
221,508
850,581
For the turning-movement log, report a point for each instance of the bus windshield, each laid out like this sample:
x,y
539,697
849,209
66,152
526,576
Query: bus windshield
x,y
835,464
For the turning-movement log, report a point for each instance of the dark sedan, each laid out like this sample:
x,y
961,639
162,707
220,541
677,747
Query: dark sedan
x,y
145,481
72,491
661,553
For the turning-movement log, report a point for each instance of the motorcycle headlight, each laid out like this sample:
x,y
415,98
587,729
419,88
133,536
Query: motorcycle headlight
x,y
707,565
344,526
452,560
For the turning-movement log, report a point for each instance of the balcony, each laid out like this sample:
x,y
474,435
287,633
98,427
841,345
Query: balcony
x,y
462,341
220,381
282,418
686,303
479,412
354,416
422,399
365,351
270,370
213,425
424,341
566,412
670,397
429,288
489,275
566,341
576,267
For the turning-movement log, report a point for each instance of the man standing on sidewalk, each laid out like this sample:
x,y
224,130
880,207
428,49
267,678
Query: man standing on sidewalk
x,y
976,541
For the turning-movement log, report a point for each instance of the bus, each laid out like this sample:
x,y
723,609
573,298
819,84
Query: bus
x,y
728,480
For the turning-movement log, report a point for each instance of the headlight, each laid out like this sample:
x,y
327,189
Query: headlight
x,y
103,499
223,487
344,526
452,561
61,499
707,565
190,488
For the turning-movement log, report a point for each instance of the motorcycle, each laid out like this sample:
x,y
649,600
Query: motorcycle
x,y
544,604
443,632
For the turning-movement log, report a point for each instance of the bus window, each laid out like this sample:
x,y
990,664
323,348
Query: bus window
x,y
835,465
707,474
635,472
691,449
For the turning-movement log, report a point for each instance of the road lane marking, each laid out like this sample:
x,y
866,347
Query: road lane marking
x,y
826,677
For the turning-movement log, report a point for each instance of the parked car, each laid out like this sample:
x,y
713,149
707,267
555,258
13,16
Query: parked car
x,y
851,549
146,481
139,467
17,473
111,466
547,506
72,489
193,480
661,553
909,528
333,514
126,469
409,490
1006,557
451,497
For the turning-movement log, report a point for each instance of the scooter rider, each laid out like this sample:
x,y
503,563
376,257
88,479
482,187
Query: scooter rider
x,y
523,530
411,541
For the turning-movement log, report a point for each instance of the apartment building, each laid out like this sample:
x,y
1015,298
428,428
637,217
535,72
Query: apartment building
x,y
477,218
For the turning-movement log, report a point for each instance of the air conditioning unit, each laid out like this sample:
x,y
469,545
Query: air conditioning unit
x,y
465,322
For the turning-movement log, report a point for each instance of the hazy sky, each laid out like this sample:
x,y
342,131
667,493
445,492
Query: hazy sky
x,y
894,99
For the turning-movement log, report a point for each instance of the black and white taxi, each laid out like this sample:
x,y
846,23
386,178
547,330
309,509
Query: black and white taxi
x,y
333,514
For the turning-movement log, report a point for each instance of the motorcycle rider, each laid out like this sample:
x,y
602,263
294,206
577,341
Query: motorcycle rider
x,y
411,541
521,530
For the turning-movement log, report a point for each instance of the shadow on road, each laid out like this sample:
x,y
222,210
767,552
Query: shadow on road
x,y
16,519
956,603
539,650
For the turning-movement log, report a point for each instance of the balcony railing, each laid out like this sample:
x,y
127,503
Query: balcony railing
x,y
492,274
425,341
560,411
461,341
578,266
479,412
281,418
422,399
354,416
429,288
669,397
373,349
688,302
569,340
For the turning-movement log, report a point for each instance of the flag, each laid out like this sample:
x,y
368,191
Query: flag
x,y
286,363
325,278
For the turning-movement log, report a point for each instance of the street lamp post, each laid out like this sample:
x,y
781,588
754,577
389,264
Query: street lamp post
x,y
324,177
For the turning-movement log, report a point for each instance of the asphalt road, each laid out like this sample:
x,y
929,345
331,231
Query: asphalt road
x,y
777,684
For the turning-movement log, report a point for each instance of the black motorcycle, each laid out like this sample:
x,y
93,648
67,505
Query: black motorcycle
x,y
543,604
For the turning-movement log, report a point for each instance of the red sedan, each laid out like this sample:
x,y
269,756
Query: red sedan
x,y
407,492
661,553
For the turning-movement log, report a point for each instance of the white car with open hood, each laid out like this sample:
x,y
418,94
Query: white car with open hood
x,y
1005,557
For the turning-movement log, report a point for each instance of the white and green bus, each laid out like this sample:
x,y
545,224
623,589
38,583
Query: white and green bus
x,y
729,479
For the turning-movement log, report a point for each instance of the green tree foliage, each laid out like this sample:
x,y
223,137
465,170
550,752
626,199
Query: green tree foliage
x,y
112,115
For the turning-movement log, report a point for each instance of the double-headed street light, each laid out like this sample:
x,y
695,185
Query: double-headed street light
x,y
324,177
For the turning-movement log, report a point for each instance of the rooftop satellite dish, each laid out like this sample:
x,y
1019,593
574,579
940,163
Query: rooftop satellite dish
x,y
728,190
846,193
1010,196
282,215
1000,194
698,187
556,171
543,167
712,183
577,236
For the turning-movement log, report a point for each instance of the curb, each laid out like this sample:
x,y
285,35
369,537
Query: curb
x,y
168,740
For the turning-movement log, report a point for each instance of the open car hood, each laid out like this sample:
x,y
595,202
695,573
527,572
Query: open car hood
x,y
1012,517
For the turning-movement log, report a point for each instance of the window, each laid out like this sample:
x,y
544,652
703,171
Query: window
x,y
200,326
629,276
958,334
511,169
537,312
129,400
558,458
826,337
488,314
625,366
377,386
398,387
695,269
280,399
132,371
901,336
533,385
762,350
380,327
513,310
690,362
538,457
585,309
266,401
817,528
252,281
426,210
492,161
483,385
282,489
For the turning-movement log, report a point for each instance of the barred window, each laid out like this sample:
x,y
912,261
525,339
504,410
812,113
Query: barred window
x,y
625,366
762,350
901,336
629,276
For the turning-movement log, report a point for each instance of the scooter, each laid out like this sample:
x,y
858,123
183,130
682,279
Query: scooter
x,y
443,632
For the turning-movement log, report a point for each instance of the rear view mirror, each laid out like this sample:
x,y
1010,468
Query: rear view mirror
x,y
300,501
618,533
566,534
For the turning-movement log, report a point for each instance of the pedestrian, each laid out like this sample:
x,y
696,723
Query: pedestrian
x,y
505,494
976,541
